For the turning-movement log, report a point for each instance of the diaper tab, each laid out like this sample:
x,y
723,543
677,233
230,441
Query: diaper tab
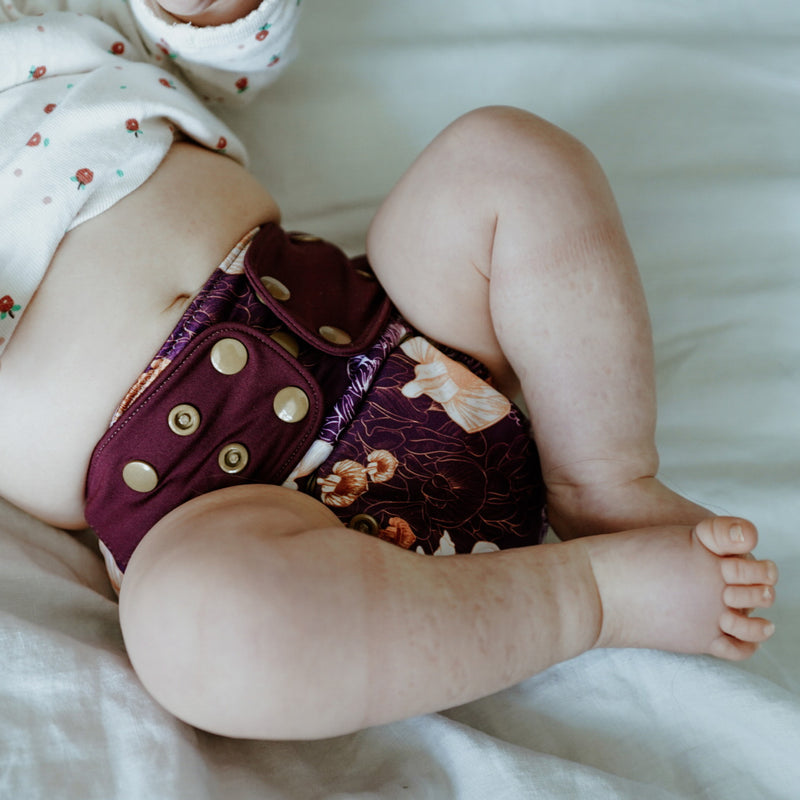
x,y
233,408
330,301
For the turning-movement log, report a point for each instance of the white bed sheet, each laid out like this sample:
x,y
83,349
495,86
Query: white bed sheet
x,y
694,110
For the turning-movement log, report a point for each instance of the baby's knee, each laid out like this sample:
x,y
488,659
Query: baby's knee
x,y
209,597
508,138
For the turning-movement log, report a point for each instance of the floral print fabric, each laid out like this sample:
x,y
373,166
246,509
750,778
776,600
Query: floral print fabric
x,y
440,464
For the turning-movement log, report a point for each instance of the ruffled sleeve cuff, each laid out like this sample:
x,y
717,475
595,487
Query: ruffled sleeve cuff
x,y
224,62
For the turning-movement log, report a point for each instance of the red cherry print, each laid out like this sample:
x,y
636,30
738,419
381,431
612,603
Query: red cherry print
x,y
117,49
49,108
8,307
35,140
242,85
165,82
37,72
263,33
132,125
83,176
164,47
222,143
273,61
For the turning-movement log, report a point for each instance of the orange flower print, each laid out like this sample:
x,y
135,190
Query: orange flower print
x,y
381,466
398,532
470,402
157,366
344,485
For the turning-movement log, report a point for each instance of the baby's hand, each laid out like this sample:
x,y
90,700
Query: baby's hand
x,y
209,12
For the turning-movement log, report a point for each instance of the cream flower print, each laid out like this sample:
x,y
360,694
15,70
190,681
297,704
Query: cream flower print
x,y
346,482
310,462
470,402
447,547
348,479
381,466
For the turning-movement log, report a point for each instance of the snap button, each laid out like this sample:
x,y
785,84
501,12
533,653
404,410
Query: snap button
x,y
233,458
228,356
287,342
140,476
364,523
280,291
184,419
335,335
299,236
291,404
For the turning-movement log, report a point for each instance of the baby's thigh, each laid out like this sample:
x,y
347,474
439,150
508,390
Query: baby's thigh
x,y
430,245
432,242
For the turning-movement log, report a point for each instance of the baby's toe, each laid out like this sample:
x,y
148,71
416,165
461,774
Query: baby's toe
x,y
727,536
746,597
731,649
744,628
749,572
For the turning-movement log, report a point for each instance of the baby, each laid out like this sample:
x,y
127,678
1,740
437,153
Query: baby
x,y
269,448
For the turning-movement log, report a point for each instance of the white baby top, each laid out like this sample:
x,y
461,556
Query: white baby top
x,y
91,97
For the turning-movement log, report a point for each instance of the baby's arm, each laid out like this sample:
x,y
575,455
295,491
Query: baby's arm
x,y
229,50
209,12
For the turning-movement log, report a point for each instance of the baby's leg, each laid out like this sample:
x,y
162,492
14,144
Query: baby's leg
x,y
252,612
504,240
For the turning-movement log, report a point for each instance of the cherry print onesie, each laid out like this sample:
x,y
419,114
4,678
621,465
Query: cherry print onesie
x,y
91,102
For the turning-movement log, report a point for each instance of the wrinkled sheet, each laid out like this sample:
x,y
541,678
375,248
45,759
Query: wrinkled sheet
x,y
694,111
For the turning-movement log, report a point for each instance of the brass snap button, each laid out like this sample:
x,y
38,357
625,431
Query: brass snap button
x,y
228,356
140,476
280,291
291,404
184,419
364,523
287,342
335,335
233,458
300,237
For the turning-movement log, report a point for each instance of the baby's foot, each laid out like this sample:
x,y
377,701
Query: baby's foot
x,y
590,508
687,590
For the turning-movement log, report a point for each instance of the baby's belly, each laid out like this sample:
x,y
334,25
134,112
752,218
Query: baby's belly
x,y
115,289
